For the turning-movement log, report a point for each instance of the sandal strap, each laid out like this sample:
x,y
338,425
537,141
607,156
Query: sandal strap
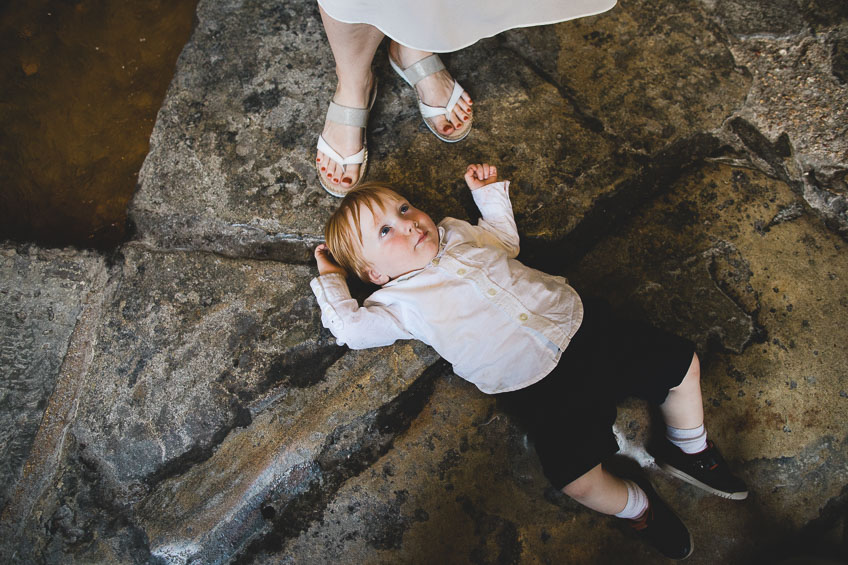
x,y
433,111
420,70
345,115
355,159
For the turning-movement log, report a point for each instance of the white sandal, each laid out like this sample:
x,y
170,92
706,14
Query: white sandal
x,y
420,70
356,117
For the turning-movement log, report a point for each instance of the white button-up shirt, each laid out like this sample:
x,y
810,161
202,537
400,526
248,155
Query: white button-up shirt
x,y
501,324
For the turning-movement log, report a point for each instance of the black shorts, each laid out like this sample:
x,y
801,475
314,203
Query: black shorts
x,y
569,414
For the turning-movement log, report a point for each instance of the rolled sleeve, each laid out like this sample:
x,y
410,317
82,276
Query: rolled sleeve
x,y
497,217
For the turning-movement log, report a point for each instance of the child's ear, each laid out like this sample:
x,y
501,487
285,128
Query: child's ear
x,y
377,278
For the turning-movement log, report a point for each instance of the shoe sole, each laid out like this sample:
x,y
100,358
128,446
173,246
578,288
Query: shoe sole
x,y
695,482
362,169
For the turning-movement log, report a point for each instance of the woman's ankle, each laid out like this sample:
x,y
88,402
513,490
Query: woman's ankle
x,y
354,91
406,56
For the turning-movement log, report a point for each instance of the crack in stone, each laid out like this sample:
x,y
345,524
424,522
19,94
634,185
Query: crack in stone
x,y
241,417
568,94
654,179
759,334
348,452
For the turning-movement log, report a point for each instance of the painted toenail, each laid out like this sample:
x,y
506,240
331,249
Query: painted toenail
x,y
347,180
335,180
323,168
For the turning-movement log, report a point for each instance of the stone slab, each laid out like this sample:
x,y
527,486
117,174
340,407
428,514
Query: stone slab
x,y
797,104
577,114
300,448
727,248
42,295
192,346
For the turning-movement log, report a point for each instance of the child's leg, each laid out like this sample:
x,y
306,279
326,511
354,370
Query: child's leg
x,y
683,407
599,490
648,515
687,454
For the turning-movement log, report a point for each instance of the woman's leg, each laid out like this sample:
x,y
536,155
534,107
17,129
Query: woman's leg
x,y
599,490
353,47
435,90
683,407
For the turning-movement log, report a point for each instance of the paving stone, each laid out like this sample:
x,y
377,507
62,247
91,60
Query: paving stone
x,y
42,295
231,161
462,484
192,346
293,455
793,122
681,159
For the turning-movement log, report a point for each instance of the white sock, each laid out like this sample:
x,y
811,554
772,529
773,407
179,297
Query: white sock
x,y
637,502
689,441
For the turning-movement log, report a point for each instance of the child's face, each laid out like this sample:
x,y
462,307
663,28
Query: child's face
x,y
396,240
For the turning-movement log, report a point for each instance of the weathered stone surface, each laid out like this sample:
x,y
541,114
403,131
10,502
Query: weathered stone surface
x,y
461,485
231,167
42,295
798,104
191,347
298,450
218,422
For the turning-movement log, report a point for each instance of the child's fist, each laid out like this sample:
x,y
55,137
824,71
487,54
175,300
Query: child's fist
x,y
326,265
478,176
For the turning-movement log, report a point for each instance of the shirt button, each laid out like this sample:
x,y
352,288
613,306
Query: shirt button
x,y
435,261
492,292
523,317
460,272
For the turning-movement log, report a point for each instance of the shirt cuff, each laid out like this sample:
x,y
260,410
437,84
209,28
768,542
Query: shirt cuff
x,y
331,287
493,199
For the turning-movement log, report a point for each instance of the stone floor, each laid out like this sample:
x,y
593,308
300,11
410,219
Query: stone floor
x,y
178,401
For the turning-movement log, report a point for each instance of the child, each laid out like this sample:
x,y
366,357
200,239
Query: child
x,y
559,364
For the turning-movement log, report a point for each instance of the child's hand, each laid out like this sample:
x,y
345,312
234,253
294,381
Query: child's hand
x,y
478,176
326,265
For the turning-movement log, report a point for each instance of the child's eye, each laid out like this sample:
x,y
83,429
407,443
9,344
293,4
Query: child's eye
x,y
404,208
384,231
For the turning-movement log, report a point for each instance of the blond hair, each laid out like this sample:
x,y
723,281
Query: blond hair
x,y
343,232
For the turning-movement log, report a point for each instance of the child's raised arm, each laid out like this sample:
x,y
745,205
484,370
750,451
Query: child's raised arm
x,y
494,205
478,176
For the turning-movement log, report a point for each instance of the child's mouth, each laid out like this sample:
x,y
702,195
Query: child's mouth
x,y
422,238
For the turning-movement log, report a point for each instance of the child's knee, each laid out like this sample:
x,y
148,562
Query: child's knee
x,y
583,487
695,368
692,378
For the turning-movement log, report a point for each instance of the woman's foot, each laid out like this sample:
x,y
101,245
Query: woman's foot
x,y
435,90
346,140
